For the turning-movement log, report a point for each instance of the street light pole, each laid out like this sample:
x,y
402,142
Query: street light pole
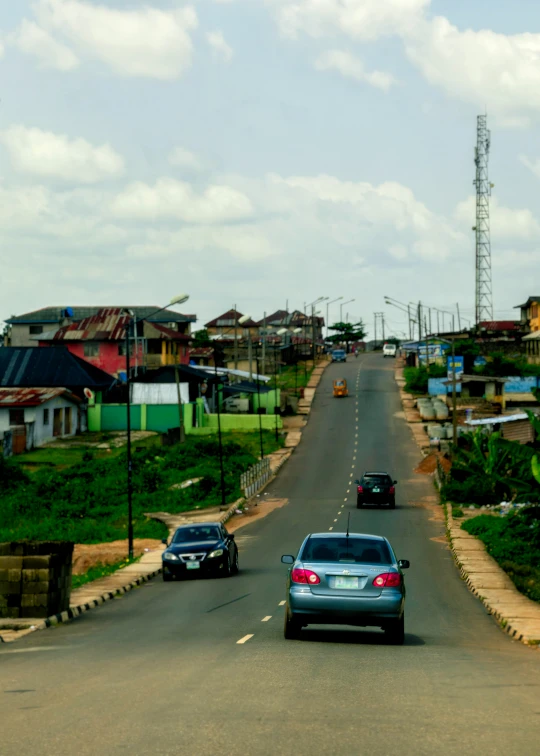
x,y
328,310
220,442
129,462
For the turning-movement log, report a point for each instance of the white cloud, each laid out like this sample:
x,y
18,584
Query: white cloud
x,y
365,20
222,51
506,223
173,199
532,165
350,66
43,153
185,159
141,42
483,67
33,40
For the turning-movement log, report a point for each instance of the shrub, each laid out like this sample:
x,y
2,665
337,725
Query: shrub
x,y
11,475
457,512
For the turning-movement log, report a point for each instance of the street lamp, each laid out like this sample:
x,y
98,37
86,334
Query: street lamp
x,y
341,308
180,299
327,311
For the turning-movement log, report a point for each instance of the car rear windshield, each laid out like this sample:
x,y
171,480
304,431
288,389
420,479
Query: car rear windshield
x,y
338,352
374,481
191,535
359,550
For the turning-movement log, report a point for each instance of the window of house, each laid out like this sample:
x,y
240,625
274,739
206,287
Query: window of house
x,y
122,349
91,349
45,417
36,329
16,417
534,311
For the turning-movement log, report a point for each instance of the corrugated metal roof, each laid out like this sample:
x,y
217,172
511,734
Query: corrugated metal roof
x,y
229,318
498,419
49,367
141,312
32,397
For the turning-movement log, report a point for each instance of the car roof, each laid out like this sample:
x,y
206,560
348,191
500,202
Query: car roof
x,y
344,535
198,525
375,472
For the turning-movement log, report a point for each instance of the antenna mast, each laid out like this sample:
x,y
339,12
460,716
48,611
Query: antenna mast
x,y
484,291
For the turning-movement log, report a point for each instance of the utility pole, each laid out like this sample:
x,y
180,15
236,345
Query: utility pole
x,y
235,339
263,345
454,398
375,323
484,291
410,322
458,316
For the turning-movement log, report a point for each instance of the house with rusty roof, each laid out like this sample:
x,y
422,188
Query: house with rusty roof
x,y
30,417
100,339
23,329
227,327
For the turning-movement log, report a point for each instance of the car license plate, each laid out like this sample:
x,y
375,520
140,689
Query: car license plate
x,y
346,582
376,490
193,565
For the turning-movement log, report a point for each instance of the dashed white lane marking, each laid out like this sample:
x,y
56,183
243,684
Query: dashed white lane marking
x,y
345,499
244,639
281,603
350,476
352,466
348,490
330,528
335,520
265,619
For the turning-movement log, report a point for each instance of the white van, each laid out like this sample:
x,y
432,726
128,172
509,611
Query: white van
x,y
389,350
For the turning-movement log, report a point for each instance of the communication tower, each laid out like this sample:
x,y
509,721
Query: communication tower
x,y
484,291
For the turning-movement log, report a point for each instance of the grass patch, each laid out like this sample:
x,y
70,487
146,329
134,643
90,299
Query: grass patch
x,y
292,380
514,542
99,571
457,512
87,501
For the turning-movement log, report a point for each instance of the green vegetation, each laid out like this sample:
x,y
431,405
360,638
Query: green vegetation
x,y
347,332
99,571
416,378
488,469
514,542
87,502
457,512
290,378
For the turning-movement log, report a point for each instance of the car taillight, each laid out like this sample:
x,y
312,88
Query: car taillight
x,y
304,576
360,489
392,489
388,580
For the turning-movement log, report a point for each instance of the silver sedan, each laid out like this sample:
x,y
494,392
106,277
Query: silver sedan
x,y
346,579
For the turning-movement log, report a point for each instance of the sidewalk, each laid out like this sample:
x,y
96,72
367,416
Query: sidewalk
x,y
515,613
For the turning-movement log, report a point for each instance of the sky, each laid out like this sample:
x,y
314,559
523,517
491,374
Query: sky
x,y
264,153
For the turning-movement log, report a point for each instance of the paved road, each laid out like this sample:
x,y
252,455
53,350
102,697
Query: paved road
x,y
160,670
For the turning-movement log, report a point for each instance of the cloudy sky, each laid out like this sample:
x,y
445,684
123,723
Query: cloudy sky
x,y
263,151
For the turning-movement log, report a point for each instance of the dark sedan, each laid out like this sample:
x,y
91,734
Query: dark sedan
x,y
200,549
376,488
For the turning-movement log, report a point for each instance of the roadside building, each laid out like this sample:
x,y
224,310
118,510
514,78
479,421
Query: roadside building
x,y
30,417
515,427
227,326
101,340
23,329
30,367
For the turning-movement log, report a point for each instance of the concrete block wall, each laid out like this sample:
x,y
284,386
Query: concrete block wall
x,y
35,578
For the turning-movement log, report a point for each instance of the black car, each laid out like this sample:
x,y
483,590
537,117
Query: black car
x,y
376,488
206,549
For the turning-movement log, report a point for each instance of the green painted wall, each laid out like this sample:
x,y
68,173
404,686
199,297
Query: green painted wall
x,y
114,417
242,422
94,418
269,400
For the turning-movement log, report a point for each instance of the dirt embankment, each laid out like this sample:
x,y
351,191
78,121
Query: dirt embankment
x,y
87,555
429,464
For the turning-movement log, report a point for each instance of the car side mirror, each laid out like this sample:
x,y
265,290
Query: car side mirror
x,y
357,482
164,542
404,564
231,536
395,482
288,559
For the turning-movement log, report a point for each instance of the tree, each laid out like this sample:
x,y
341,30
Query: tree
x,y
347,332
202,339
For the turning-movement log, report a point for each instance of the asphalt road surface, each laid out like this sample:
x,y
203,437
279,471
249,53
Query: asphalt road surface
x,y
161,670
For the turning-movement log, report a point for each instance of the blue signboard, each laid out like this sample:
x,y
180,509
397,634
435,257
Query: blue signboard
x,y
455,365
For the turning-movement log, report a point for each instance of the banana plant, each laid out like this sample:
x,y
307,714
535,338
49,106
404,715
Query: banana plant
x,y
535,466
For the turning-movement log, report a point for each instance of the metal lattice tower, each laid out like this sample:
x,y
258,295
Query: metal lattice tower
x,y
484,293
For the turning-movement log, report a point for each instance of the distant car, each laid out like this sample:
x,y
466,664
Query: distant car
x,y
376,488
389,350
200,549
340,579
339,355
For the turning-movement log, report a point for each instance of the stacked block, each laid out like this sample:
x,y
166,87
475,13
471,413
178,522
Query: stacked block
x,y
35,578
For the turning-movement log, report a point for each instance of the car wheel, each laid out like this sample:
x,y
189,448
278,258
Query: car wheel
x,y
236,566
226,570
167,577
396,631
291,629
359,504
392,503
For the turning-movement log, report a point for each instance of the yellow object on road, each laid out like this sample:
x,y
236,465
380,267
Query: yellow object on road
x,y
340,387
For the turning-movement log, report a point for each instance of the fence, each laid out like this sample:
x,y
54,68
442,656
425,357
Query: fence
x,y
255,478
